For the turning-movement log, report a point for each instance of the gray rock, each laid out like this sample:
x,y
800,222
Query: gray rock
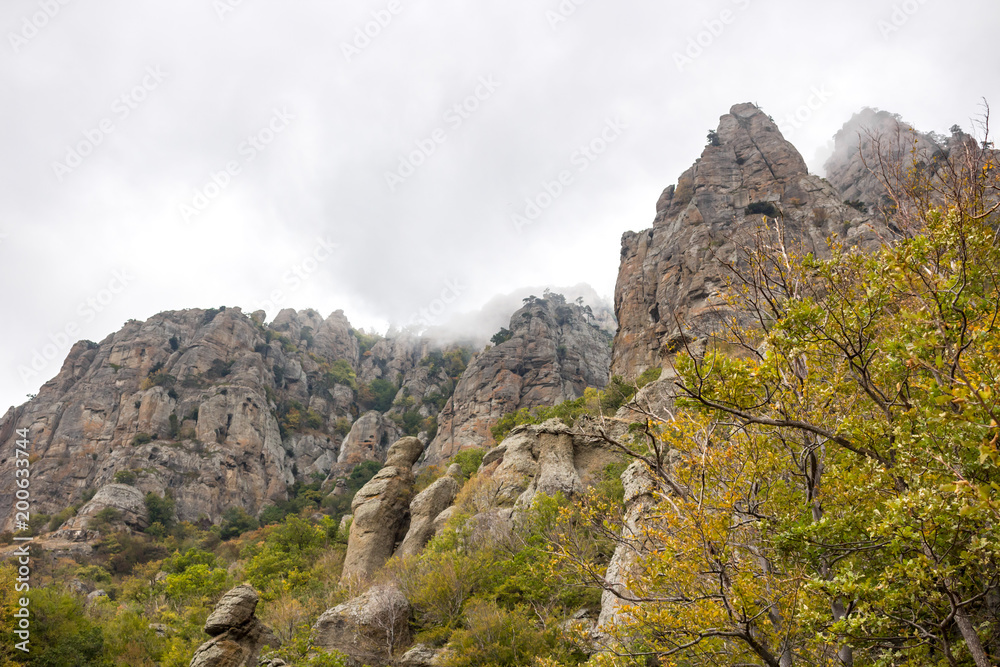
x,y
237,635
370,628
128,500
381,513
554,353
424,509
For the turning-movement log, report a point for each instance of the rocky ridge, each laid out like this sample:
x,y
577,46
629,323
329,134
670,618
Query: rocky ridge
x,y
553,352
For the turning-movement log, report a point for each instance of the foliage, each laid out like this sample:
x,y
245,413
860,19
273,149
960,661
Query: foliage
x,y
340,372
713,138
377,395
833,484
161,509
469,460
501,336
235,522
762,208
125,477
141,439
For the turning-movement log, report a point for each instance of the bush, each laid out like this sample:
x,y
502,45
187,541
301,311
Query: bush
x,y
469,460
235,522
161,509
125,477
763,208
495,636
141,439
502,336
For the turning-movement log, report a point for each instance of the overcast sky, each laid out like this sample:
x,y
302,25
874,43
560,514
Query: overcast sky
x,y
370,155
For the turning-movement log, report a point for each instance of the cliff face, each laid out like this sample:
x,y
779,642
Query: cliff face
x,y
672,277
552,355
214,408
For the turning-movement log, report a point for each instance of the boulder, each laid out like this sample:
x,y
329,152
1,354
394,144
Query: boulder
x,y
370,628
237,635
128,500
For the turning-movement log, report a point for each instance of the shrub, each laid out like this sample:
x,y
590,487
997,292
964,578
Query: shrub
x,y
713,138
495,636
235,522
141,439
174,343
161,509
762,208
125,477
469,460
502,336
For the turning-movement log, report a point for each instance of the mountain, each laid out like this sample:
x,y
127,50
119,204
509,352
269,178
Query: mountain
x,y
672,279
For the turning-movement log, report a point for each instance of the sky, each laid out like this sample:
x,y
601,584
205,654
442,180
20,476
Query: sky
x,y
402,160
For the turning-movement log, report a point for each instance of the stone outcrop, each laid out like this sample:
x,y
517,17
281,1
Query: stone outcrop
x,y
370,629
237,634
425,509
672,278
552,355
127,500
381,511
549,458
368,440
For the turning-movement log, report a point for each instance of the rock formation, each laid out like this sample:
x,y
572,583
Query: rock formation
x,y
237,634
672,278
549,458
127,500
552,355
425,509
369,628
381,511
219,410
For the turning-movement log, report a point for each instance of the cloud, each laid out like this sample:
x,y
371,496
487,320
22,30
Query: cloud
x,y
226,71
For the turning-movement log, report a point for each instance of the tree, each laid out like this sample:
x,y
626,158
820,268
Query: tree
x,y
828,490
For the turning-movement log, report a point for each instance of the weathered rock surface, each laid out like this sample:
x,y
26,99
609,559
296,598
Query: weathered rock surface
x,y
545,458
381,511
370,628
425,509
368,440
127,500
672,277
237,634
553,354
216,408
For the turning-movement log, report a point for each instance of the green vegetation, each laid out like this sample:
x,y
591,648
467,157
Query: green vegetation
x,y
502,336
125,477
615,394
763,208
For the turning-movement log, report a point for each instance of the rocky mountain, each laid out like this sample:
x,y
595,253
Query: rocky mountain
x,y
551,353
218,410
672,278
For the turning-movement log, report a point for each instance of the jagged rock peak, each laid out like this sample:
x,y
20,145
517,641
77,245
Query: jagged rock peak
x,y
672,278
550,353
